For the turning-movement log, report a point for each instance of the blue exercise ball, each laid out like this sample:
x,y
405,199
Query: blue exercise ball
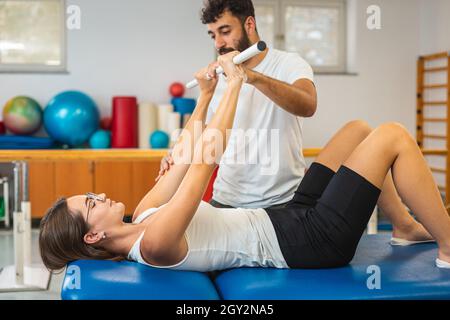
x,y
71,117
159,140
101,139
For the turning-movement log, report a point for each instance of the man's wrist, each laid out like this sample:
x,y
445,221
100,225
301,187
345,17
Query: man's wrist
x,y
253,77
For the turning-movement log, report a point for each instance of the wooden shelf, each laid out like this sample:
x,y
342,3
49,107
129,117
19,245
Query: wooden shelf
x,y
79,154
435,56
435,103
439,69
435,119
435,136
435,86
438,170
434,152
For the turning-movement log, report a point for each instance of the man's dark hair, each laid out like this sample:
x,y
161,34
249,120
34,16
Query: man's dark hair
x,y
214,9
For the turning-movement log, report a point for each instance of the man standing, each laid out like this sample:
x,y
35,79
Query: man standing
x,y
279,93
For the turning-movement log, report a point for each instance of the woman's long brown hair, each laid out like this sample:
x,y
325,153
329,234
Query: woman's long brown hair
x,y
61,238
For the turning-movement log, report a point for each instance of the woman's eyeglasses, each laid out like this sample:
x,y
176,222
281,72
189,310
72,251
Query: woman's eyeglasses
x,y
90,202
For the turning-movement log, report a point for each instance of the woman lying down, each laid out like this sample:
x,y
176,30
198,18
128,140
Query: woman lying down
x,y
319,228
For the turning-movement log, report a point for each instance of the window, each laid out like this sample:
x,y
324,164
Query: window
x,y
266,20
315,29
32,35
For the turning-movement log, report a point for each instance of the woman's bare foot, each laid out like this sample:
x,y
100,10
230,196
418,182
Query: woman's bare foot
x,y
414,232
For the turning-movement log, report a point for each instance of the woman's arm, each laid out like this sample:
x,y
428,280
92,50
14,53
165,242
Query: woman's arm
x,y
183,150
171,222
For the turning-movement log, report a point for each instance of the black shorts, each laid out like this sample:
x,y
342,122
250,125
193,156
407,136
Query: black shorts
x,y
322,225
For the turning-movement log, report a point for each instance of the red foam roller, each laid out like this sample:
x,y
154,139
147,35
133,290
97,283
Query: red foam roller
x,y
105,123
124,122
2,128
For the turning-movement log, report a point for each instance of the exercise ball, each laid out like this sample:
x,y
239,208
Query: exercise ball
x,y
101,139
71,117
22,115
159,140
176,89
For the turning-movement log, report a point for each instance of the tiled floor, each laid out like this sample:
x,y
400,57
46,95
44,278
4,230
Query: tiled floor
x,y
7,258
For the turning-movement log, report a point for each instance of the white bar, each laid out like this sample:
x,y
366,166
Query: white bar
x,y
240,58
6,201
18,224
26,211
18,247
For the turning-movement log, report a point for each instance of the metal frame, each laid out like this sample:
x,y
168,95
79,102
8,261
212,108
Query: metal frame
x,y
23,275
4,181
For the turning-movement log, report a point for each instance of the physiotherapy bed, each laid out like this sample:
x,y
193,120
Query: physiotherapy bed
x,y
378,271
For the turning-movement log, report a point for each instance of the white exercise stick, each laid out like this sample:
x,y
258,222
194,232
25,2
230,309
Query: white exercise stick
x,y
240,58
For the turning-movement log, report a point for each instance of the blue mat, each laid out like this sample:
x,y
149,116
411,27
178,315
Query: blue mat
x,y
25,142
109,280
405,273
391,272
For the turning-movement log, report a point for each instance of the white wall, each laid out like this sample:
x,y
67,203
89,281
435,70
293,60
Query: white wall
x,y
135,47
139,47
385,62
435,26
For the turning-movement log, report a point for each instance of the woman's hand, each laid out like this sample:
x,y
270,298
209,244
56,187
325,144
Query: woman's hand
x,y
207,78
165,165
233,72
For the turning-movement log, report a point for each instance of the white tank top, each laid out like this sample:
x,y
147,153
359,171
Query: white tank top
x,y
223,238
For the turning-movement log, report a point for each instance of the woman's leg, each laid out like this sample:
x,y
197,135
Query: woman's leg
x,y
340,147
391,147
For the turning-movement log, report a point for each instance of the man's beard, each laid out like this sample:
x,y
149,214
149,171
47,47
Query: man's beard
x,y
243,44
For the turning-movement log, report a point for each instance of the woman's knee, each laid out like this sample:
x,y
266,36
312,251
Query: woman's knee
x,y
395,132
359,127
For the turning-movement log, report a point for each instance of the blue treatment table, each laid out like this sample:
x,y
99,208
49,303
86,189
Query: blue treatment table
x,y
125,280
398,272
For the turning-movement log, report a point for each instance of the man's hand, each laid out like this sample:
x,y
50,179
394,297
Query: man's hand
x,y
166,162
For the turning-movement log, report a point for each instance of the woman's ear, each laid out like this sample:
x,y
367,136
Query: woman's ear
x,y
93,238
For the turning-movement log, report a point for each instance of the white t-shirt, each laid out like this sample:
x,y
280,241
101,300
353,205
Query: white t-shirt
x,y
263,163
223,238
